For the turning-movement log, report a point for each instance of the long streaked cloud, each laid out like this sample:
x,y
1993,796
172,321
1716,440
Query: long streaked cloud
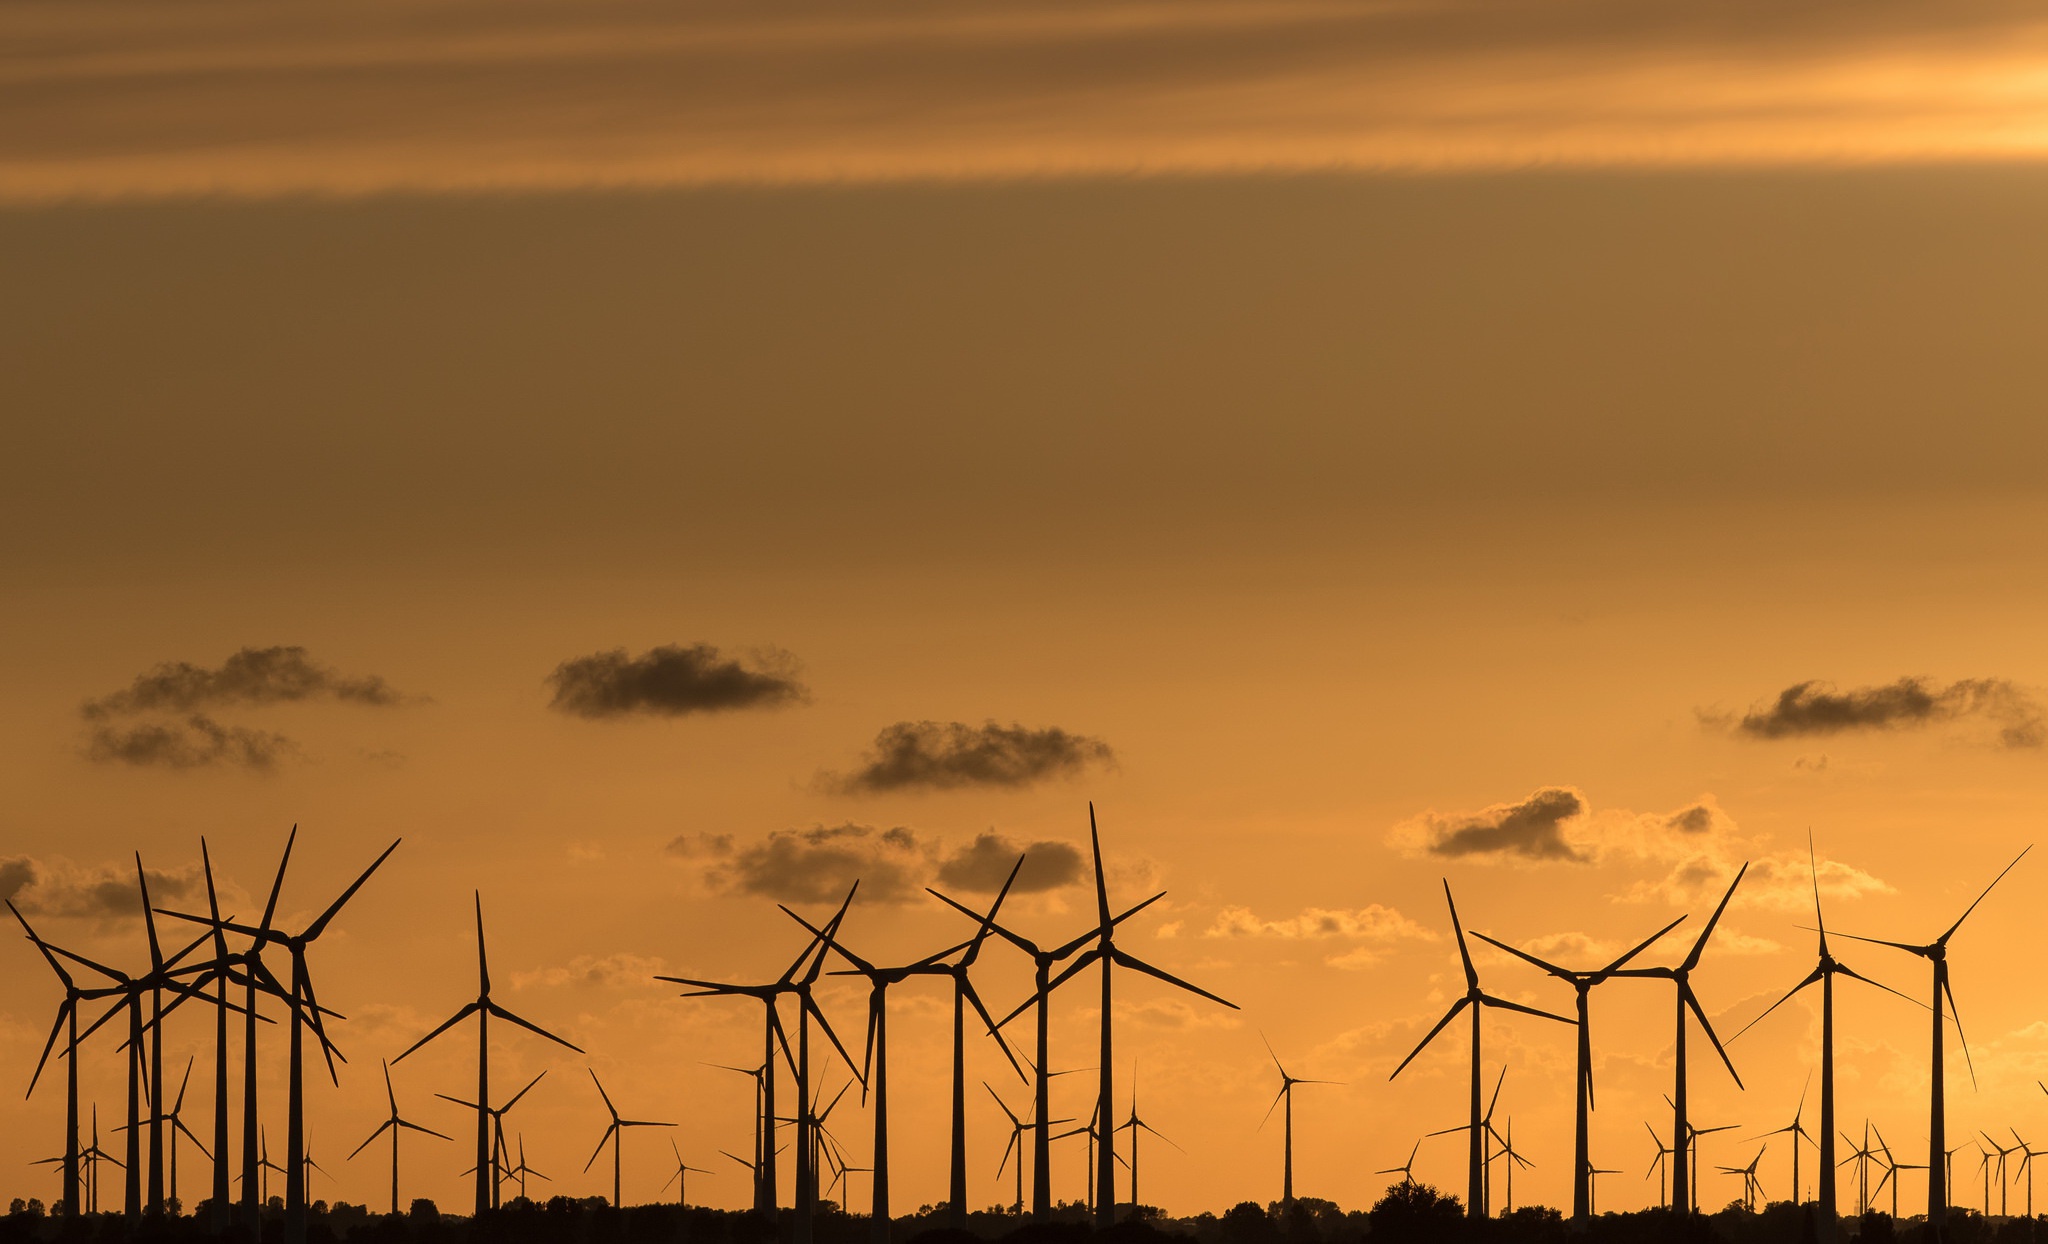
x,y
951,755
1816,708
672,680
234,97
819,863
195,742
282,674
106,892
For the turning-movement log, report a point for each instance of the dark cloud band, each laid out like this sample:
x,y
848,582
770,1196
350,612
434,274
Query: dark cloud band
x,y
932,755
670,681
1816,708
197,742
252,676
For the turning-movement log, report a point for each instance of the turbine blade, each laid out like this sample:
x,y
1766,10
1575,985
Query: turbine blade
x,y
1692,1001
1101,887
1943,939
1464,953
314,930
381,1129
1642,946
1441,1024
1525,956
1692,960
1490,1000
509,1017
1811,977
1138,965
468,1009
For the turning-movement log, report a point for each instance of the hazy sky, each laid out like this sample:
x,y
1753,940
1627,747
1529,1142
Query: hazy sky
x,y
1424,515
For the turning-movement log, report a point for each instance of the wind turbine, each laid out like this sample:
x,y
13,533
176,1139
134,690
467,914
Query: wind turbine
x,y
1593,1174
1016,1143
1287,1083
1487,1130
760,1075
796,981
1892,1167
305,1011
1513,1158
875,1056
616,1134
1692,1144
1106,952
1660,1166
178,1128
1478,999
1824,972
1043,961
1134,1125
1407,1169
1752,1187
1582,984
1861,1156
483,1008
499,1154
1683,1192
2003,1154
67,1017
522,1170
394,1125
963,995
1936,952
1797,1131
2027,1156
681,1179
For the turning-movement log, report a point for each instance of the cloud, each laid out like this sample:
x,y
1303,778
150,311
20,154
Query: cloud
x,y
59,887
1376,927
1815,708
196,742
931,755
251,676
981,866
1532,828
670,681
614,971
699,846
364,97
816,865
1778,882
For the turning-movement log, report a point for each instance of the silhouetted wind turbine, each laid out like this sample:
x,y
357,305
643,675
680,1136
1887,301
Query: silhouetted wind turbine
x,y
178,1128
759,1075
1593,1174
483,1008
1861,1156
1134,1125
499,1153
1797,1131
1287,1083
67,1018
2003,1154
1892,1167
681,1179
1683,1190
1692,1145
796,980
1752,1187
1042,961
302,992
522,1170
616,1134
1936,952
1016,1143
1513,1158
1106,953
394,1125
875,1055
1659,1166
1478,999
1407,1169
2027,1156
1824,972
963,995
1582,984
1485,1130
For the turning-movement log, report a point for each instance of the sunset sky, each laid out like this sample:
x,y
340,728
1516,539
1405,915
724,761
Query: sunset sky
x,y
662,461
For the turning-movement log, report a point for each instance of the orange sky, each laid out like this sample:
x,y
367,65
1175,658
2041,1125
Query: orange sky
x,y
1340,508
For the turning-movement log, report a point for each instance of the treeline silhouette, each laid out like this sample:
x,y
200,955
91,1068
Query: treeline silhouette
x,y
1409,1213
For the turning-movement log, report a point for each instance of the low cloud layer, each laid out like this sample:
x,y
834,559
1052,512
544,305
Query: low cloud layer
x,y
932,755
226,97
1531,828
1812,708
818,864
108,892
175,704
671,680
197,742
983,865
251,676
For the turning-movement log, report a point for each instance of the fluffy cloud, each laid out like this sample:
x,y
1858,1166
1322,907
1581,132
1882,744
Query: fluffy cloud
x,y
196,742
1532,828
1374,928
1779,882
816,865
1816,708
670,680
932,755
59,887
251,676
982,865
